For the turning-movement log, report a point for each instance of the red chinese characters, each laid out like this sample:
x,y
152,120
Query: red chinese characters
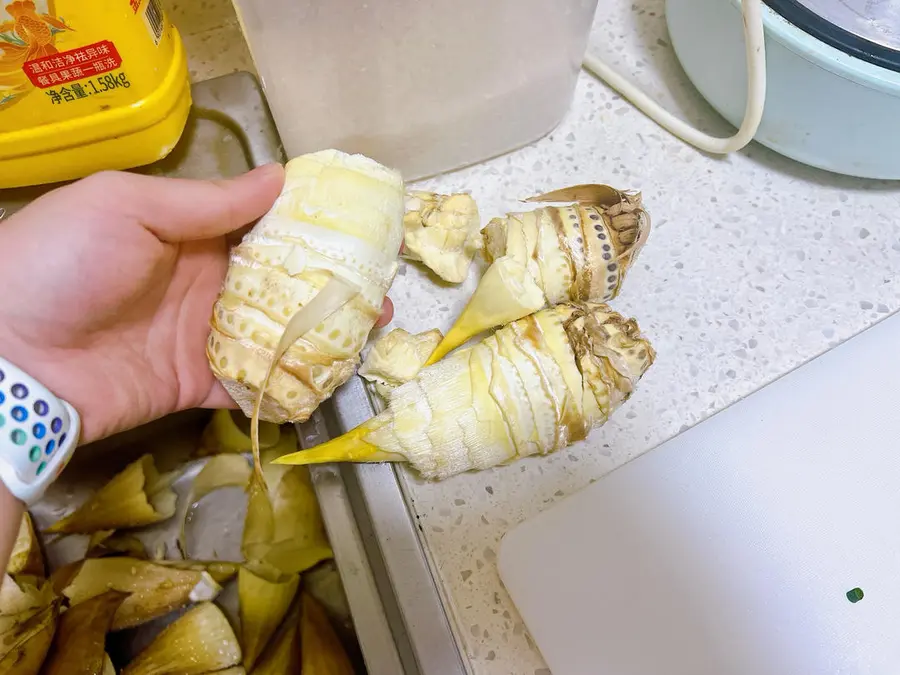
x,y
75,64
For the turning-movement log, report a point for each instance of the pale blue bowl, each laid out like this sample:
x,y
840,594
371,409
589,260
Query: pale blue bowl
x,y
823,107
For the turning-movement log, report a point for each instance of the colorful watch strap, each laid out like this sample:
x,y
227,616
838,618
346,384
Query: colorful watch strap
x,y
38,433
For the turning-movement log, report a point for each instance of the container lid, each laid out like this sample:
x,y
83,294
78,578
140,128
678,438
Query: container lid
x,y
866,29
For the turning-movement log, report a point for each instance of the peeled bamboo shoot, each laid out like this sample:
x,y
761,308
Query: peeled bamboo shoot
x,y
533,387
553,254
443,232
397,357
338,217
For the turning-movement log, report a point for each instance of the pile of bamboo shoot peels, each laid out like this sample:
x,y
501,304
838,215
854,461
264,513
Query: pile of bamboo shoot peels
x,y
65,621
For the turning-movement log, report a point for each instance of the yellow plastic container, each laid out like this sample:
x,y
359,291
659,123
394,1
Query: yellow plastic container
x,y
87,85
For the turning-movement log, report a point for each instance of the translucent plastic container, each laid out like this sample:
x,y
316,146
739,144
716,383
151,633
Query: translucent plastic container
x,y
424,86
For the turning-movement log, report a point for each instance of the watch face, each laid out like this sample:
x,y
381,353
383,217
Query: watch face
x,y
865,29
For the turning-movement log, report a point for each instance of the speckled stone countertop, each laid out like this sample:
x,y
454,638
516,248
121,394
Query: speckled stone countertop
x,y
755,265
212,37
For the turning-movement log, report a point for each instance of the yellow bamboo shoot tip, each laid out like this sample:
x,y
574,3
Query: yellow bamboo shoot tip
x,y
349,447
459,333
505,294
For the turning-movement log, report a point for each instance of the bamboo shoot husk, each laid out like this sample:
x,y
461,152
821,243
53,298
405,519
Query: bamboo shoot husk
x,y
26,556
321,652
202,641
282,656
25,639
137,496
80,641
263,604
153,590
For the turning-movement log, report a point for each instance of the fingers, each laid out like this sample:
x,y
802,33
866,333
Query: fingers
x,y
177,209
387,313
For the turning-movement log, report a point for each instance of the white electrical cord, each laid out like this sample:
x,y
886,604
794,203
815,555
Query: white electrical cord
x,y
754,42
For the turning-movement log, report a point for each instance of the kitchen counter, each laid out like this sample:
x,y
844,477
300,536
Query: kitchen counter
x,y
212,37
755,265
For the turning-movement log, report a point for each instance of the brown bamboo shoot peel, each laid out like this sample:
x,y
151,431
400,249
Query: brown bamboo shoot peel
x,y
24,593
110,543
79,645
282,655
26,637
283,531
263,605
26,556
138,495
202,641
153,590
321,652
228,432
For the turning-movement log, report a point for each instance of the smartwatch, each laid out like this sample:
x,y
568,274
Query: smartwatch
x,y
38,433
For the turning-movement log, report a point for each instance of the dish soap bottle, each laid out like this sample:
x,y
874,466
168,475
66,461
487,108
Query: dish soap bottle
x,y
87,86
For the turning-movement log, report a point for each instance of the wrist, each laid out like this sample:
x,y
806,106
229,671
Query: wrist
x,y
39,431
57,371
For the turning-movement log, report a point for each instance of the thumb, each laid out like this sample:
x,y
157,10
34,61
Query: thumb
x,y
178,209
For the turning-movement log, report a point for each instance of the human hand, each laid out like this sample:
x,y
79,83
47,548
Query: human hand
x,y
108,285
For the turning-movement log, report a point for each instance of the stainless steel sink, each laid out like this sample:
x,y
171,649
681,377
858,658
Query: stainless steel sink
x,y
373,528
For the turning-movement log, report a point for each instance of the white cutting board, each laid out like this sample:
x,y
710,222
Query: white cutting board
x,y
730,549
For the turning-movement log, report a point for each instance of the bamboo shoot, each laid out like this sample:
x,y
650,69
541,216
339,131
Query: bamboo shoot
x,y
533,387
